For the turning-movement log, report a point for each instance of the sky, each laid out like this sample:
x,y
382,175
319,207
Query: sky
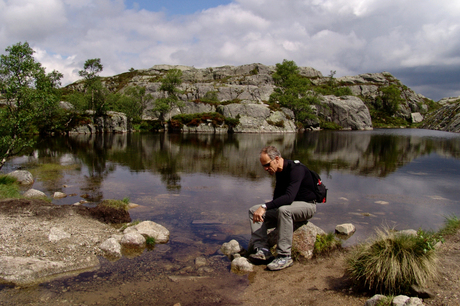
x,y
418,41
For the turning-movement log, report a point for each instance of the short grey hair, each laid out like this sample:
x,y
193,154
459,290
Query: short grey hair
x,y
271,151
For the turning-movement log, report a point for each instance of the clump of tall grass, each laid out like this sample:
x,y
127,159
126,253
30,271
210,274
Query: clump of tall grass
x,y
9,187
391,262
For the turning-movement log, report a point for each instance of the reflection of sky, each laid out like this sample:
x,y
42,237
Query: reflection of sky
x,y
219,185
418,195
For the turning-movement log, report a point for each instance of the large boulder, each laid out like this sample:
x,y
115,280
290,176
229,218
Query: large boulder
x,y
154,230
349,112
23,177
303,239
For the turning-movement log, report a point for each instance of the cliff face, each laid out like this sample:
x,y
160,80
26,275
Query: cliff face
x,y
446,118
251,86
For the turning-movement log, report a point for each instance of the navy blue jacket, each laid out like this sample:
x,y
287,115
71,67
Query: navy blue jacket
x,y
293,183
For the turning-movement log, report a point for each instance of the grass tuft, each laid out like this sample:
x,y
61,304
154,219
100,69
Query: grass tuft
x,y
9,187
392,262
118,204
452,225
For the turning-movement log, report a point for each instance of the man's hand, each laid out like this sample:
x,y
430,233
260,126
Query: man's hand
x,y
259,215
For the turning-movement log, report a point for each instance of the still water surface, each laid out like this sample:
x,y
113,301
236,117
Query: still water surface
x,y
200,187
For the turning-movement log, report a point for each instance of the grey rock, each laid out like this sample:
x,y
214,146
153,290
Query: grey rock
x,y
59,195
133,240
154,230
400,300
28,271
200,262
23,177
57,234
348,111
303,238
66,105
416,117
34,193
231,247
241,265
111,248
374,300
345,229
410,232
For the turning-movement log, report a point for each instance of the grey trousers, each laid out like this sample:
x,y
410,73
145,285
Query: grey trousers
x,y
283,219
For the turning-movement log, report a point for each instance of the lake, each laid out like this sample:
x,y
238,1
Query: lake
x,y
201,186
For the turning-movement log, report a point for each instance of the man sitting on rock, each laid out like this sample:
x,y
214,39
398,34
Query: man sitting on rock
x,y
293,201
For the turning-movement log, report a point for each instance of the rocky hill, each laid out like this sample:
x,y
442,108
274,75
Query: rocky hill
x,y
243,92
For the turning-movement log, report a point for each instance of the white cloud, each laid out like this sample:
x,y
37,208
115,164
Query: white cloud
x,y
349,36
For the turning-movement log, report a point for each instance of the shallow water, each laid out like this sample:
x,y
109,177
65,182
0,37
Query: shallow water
x,y
200,186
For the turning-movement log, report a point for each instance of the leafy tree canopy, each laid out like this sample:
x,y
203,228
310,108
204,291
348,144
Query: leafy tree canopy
x,y
29,92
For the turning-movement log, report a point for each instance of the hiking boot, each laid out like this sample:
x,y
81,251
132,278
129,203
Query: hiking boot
x,y
261,254
280,263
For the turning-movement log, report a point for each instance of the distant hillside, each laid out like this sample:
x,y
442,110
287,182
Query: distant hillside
x,y
253,84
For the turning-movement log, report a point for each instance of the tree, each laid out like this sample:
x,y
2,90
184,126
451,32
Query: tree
x,y
390,99
28,91
169,84
93,85
293,91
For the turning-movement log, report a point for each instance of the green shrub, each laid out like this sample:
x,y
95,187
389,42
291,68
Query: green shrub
x,y
330,126
392,262
326,243
150,241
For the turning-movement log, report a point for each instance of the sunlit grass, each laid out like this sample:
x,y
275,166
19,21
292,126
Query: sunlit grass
x,y
451,226
9,187
118,204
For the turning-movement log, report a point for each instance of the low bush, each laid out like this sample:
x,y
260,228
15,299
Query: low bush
x,y
392,262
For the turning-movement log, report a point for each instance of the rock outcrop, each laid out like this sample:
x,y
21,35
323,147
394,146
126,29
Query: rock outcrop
x,y
446,118
112,122
243,92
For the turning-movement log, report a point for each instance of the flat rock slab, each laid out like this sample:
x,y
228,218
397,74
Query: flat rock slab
x,y
27,271
40,241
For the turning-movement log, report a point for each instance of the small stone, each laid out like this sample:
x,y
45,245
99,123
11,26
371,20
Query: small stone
x,y
59,195
33,193
345,229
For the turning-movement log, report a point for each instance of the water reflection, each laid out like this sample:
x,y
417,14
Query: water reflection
x,y
182,178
